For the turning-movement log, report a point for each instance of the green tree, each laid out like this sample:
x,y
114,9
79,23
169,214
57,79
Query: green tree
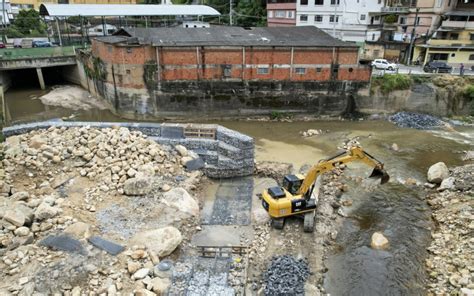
x,y
28,22
250,13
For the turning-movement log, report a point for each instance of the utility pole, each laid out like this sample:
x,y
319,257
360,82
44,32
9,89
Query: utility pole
x,y
412,38
231,12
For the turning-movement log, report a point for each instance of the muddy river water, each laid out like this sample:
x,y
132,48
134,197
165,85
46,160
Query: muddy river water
x,y
396,210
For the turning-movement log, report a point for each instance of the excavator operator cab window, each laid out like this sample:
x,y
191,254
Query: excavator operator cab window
x,y
292,183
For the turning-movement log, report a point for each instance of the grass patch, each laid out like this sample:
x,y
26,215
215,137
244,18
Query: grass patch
x,y
469,92
389,83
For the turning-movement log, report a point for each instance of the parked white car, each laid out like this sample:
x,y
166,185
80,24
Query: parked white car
x,y
383,64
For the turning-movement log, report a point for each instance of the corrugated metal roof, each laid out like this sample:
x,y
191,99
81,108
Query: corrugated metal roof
x,y
234,36
124,10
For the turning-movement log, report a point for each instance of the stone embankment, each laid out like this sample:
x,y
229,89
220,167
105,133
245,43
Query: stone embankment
x,y
62,189
450,263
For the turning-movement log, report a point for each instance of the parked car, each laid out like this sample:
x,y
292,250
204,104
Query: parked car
x,y
2,45
41,43
437,67
383,64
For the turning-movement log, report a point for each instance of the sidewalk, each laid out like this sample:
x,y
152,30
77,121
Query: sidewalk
x,y
418,70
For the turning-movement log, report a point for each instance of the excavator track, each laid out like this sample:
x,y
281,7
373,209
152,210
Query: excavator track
x,y
278,223
308,225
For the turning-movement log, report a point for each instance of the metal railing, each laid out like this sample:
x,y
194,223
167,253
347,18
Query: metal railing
x,y
396,9
37,52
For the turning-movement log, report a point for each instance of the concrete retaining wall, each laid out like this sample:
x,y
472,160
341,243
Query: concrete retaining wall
x,y
227,154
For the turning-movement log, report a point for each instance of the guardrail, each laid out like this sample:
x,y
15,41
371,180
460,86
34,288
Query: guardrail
x,y
37,52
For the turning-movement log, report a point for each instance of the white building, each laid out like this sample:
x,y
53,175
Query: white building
x,y
5,12
349,20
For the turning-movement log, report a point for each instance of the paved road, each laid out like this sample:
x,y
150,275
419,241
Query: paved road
x,y
417,70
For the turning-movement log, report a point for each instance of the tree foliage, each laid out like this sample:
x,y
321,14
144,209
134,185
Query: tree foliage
x,y
28,22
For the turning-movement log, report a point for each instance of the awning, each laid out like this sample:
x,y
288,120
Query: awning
x,y
61,10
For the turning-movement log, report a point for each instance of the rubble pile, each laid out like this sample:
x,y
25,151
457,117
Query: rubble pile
x,y
416,120
450,259
286,276
54,183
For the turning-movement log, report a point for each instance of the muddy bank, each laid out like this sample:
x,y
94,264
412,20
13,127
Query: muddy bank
x,y
450,263
74,98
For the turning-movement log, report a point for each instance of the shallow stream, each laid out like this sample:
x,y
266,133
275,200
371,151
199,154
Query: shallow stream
x,y
394,209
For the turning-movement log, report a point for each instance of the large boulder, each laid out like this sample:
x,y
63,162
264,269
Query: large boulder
x,y
162,241
182,201
379,241
45,211
181,150
137,186
447,184
437,173
15,217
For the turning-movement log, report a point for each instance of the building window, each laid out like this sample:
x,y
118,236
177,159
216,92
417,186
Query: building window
x,y
109,48
417,22
373,36
362,17
128,71
376,18
318,18
262,70
319,69
403,20
227,70
335,2
453,36
280,14
453,55
129,49
333,18
290,14
318,2
471,57
300,71
304,17
472,37
380,2
270,13
304,2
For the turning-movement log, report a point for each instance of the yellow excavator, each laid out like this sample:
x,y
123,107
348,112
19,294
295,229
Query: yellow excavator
x,y
294,197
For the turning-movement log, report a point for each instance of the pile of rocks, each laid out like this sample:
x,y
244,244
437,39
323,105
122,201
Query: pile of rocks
x,y
416,120
449,263
116,158
36,175
286,276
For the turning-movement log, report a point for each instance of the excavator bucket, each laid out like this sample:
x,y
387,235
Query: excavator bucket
x,y
380,173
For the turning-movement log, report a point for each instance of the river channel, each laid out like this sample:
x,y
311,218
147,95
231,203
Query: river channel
x,y
395,209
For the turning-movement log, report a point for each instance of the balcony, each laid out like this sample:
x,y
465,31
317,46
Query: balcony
x,y
395,10
458,24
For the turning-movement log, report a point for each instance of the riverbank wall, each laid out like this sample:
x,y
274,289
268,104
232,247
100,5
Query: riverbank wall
x,y
226,153
439,95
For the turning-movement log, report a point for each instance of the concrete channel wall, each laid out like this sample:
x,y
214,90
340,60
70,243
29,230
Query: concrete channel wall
x,y
226,153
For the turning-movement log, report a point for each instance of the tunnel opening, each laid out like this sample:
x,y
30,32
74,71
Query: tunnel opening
x,y
28,78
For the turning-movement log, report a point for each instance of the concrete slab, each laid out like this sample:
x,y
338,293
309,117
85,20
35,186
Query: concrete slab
x,y
223,235
63,242
108,246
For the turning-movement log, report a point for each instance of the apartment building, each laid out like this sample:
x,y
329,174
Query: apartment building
x,y
453,41
346,20
35,4
281,13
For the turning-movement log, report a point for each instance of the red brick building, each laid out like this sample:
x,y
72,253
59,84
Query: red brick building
x,y
163,60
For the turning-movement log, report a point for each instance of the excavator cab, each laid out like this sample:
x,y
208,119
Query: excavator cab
x,y
292,183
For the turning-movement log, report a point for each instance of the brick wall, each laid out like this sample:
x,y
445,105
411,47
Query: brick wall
x,y
226,63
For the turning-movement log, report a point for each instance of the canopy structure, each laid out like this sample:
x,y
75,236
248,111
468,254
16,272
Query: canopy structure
x,y
66,10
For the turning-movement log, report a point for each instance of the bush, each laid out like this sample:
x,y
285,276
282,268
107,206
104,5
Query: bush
x,y
389,83
13,32
469,92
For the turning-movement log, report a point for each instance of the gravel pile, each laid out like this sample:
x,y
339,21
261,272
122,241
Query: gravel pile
x,y
286,276
449,262
416,120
